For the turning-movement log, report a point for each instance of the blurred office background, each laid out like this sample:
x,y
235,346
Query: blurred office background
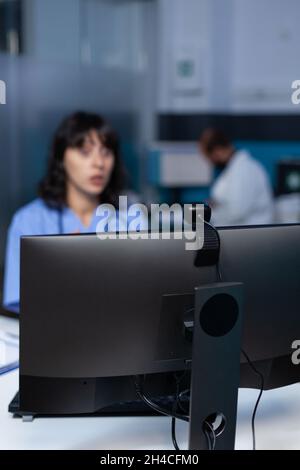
x,y
161,71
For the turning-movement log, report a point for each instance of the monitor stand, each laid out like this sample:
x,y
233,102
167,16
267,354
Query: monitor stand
x,y
215,365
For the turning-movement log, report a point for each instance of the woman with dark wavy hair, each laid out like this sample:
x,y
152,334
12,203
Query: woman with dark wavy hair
x,y
84,170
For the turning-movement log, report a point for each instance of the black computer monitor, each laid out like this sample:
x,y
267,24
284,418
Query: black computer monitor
x,y
97,313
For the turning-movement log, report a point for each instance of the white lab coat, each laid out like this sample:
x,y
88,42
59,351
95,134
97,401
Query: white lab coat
x,y
242,193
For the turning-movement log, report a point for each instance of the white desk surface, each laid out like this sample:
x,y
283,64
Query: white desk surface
x,y
277,423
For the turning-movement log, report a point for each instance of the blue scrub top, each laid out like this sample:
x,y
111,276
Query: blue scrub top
x,y
36,218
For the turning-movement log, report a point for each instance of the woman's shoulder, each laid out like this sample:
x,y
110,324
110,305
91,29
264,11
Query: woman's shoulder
x,y
31,208
26,215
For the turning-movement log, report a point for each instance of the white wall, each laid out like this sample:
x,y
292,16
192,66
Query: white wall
x,y
245,54
266,53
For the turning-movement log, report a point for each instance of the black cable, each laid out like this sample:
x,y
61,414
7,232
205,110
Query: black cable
x,y
219,240
208,439
154,406
174,440
206,423
184,392
220,278
219,272
175,406
211,445
208,433
258,398
174,414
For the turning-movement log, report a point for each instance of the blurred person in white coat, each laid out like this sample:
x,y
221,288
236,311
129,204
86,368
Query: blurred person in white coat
x,y
241,194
